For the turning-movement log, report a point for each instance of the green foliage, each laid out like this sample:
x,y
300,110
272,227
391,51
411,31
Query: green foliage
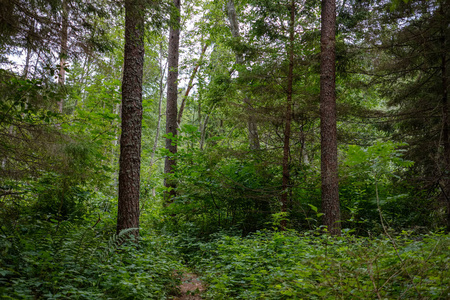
x,y
379,160
63,260
221,191
367,171
287,265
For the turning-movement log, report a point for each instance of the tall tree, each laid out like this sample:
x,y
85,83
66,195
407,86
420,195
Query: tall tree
x,y
415,73
172,96
445,109
130,139
44,27
190,84
288,115
328,131
63,51
251,123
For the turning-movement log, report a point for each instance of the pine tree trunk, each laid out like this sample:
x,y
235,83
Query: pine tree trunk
x,y
130,140
328,131
172,96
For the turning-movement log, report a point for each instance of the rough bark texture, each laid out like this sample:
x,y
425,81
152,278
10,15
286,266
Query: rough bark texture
x,y
251,123
288,116
172,96
328,132
63,54
130,139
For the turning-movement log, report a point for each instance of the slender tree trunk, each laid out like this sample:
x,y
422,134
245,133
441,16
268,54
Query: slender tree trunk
x,y
190,84
328,131
27,63
288,116
130,140
85,74
252,128
161,92
251,123
63,54
158,127
203,129
234,27
172,96
203,133
445,116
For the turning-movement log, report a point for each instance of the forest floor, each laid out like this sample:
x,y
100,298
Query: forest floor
x,y
191,287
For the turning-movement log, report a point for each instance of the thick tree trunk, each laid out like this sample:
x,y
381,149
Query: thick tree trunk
x,y
63,54
251,123
190,85
288,116
130,140
328,131
172,96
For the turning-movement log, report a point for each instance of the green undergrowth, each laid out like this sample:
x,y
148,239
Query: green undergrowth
x,y
289,265
64,260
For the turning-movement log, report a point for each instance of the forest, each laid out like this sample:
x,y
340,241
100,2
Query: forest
x,y
224,149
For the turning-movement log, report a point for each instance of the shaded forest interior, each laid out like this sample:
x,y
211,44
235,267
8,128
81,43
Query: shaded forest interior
x,y
264,149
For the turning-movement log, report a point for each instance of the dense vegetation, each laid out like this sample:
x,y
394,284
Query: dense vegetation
x,y
212,148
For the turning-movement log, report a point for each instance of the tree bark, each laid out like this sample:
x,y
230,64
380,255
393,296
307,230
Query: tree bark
x,y
288,117
251,124
63,54
130,140
328,131
172,96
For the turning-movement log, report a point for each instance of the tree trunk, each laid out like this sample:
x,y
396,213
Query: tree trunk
x,y
172,96
63,54
234,27
252,128
251,124
190,84
130,140
328,131
445,116
161,92
288,116
29,50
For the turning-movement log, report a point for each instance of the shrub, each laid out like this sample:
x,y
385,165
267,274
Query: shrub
x,y
288,265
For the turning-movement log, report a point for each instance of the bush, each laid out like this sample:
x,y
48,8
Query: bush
x,y
288,265
44,260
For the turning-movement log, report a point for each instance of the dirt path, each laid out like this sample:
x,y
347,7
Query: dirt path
x,y
191,287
